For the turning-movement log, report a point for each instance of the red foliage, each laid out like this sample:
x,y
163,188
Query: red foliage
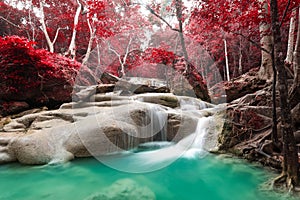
x,y
153,63
138,59
214,20
37,76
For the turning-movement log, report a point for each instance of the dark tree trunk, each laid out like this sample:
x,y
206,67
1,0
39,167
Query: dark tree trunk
x,y
180,32
290,163
274,117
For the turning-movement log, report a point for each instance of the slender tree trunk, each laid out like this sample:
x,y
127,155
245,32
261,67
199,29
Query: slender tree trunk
x,y
296,63
30,12
44,27
294,93
274,106
226,60
98,53
290,161
122,61
179,18
91,40
289,56
265,71
72,47
240,58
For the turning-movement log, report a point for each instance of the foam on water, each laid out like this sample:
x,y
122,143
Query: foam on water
x,y
145,161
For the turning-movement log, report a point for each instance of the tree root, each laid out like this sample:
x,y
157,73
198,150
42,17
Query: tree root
x,y
284,181
280,180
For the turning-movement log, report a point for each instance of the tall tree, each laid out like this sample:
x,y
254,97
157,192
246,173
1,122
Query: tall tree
x,y
234,18
290,172
290,48
266,69
295,90
179,13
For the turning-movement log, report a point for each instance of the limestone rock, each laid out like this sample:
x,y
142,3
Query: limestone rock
x,y
246,84
6,152
112,124
168,99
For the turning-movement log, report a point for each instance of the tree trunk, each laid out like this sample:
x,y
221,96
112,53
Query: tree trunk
x,y
289,56
44,28
265,71
290,161
296,63
72,48
274,106
179,18
122,61
91,40
226,60
240,57
295,90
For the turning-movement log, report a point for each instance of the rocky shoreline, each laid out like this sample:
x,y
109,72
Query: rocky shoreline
x,y
97,124
39,135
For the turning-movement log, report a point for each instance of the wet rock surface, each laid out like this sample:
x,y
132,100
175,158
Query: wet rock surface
x,y
108,124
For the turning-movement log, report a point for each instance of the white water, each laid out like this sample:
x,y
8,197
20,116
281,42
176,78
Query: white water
x,y
147,161
191,104
159,118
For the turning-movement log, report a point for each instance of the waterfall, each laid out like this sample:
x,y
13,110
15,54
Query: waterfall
x,y
190,147
194,143
187,103
162,118
158,123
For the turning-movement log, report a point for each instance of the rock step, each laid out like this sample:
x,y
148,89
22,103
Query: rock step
x,y
5,158
4,141
3,149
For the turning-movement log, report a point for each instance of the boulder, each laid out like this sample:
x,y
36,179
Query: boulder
x,y
12,107
248,83
81,129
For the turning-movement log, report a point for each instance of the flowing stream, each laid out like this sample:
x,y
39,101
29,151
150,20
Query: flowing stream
x,y
154,170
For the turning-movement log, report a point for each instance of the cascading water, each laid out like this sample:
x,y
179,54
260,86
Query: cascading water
x,y
182,174
192,104
194,143
158,120
164,153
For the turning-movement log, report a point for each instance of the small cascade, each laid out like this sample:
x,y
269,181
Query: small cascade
x,y
162,118
164,153
194,143
157,128
187,104
196,139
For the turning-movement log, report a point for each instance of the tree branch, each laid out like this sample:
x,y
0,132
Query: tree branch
x,y
161,18
285,11
253,42
127,50
9,22
56,34
115,52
